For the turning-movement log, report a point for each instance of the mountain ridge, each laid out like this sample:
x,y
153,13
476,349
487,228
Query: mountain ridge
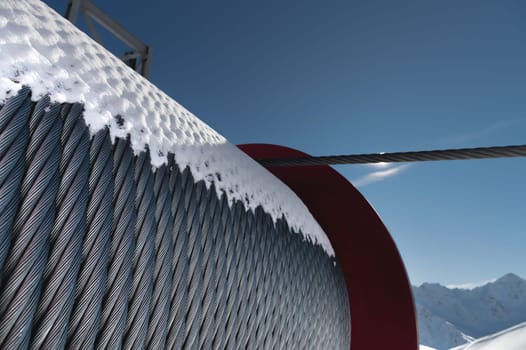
x,y
449,317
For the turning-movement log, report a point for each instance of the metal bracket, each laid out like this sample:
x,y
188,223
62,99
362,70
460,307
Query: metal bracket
x,y
140,54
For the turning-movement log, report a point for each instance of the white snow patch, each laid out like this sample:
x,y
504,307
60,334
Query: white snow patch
x,y
423,347
513,338
470,286
42,50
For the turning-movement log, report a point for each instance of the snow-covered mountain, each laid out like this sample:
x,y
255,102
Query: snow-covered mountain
x,y
434,330
510,339
448,317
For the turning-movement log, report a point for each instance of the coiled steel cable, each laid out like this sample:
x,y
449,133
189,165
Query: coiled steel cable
x,y
105,253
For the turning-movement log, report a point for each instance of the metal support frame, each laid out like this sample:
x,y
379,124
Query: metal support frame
x,y
140,54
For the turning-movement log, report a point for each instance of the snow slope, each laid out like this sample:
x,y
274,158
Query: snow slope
x,y
449,317
423,347
42,50
510,339
436,331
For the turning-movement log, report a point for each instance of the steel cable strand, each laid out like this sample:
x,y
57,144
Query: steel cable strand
x,y
294,268
268,266
284,286
232,275
319,283
120,263
275,325
160,307
289,277
243,284
195,273
260,250
277,309
258,244
417,156
220,256
264,324
250,313
281,296
262,276
179,292
299,296
311,301
211,221
14,135
92,277
338,317
316,310
256,283
331,312
144,259
269,292
322,299
344,320
347,330
328,305
224,258
27,256
330,298
239,330
300,247
50,324
290,280
247,307
328,287
305,303
341,322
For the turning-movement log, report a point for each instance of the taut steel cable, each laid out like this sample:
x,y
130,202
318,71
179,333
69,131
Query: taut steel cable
x,y
397,157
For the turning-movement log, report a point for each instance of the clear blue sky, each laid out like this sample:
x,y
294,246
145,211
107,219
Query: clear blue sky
x,y
335,77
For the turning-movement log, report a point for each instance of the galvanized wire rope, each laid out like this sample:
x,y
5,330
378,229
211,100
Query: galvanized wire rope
x,y
14,119
164,246
119,284
60,276
195,286
102,252
208,239
26,260
179,293
418,156
92,278
144,259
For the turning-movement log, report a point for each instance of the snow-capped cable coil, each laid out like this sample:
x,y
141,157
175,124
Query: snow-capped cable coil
x,y
100,250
